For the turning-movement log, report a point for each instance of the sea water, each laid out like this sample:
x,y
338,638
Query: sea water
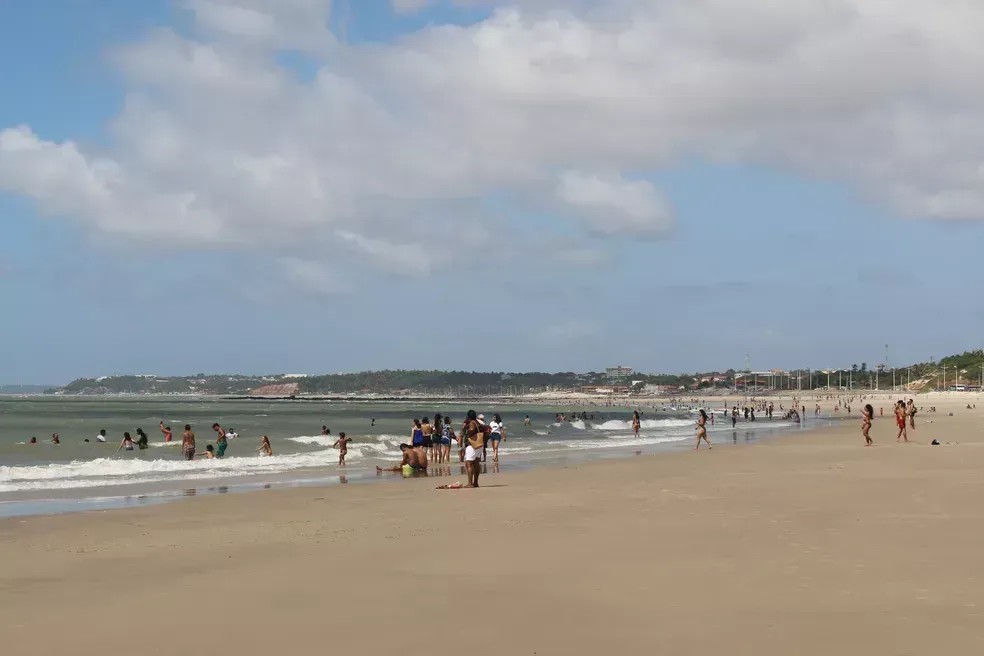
x,y
80,475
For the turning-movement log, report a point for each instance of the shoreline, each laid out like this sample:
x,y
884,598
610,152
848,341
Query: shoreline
x,y
69,501
809,545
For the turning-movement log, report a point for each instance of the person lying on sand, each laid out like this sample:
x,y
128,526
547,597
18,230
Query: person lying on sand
x,y
414,458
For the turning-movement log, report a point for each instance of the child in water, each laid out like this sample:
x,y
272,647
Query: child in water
x,y
265,447
209,453
342,445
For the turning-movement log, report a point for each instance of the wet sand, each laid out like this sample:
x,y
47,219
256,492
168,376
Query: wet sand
x,y
810,544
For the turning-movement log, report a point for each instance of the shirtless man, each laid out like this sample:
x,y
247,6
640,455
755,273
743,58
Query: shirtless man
x,y
221,442
474,439
188,443
415,458
166,430
342,445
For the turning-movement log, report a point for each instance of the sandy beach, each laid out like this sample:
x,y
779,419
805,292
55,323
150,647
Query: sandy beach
x,y
807,544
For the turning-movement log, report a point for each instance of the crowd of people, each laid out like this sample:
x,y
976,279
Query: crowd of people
x,y
432,442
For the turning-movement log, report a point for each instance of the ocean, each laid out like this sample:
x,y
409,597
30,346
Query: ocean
x,y
80,475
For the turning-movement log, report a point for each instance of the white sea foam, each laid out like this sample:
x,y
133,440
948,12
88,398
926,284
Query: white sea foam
x,y
128,470
617,424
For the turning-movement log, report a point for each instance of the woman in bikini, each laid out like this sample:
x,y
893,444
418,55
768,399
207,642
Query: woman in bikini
x,y
265,447
900,417
867,414
636,422
702,430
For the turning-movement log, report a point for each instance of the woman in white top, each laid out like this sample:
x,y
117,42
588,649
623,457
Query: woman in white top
x,y
498,434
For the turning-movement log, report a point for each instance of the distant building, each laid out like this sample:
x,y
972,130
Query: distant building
x,y
295,375
618,374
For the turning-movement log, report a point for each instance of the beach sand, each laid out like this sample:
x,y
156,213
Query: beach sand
x,y
807,544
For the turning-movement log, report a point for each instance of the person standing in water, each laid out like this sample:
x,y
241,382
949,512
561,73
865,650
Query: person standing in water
x,y
447,436
342,445
188,443
166,430
474,438
101,437
428,431
126,443
221,441
867,414
141,439
498,434
636,422
265,447
702,430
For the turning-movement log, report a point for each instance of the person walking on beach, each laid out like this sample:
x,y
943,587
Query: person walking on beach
x,y
636,422
734,416
474,438
221,441
166,430
911,411
497,434
867,414
265,447
342,445
900,421
702,430
188,443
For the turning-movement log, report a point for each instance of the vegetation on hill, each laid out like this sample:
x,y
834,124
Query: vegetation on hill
x,y
963,369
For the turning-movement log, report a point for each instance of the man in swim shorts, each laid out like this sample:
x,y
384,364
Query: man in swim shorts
x,y
221,442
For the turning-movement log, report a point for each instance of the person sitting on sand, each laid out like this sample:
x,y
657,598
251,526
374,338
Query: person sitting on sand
x,y
415,459
342,445
209,452
265,447
166,430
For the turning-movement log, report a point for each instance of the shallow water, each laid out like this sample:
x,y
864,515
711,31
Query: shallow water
x,y
76,475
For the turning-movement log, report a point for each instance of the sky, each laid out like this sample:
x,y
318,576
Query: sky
x,y
311,186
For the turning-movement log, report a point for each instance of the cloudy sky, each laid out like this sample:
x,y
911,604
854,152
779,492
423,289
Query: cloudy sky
x,y
318,185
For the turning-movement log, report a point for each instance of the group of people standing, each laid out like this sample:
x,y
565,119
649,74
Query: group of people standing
x,y
432,442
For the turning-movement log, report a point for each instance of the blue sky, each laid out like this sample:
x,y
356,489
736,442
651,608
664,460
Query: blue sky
x,y
565,233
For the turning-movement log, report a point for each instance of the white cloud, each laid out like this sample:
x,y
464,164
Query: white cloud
x,y
549,103
612,205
